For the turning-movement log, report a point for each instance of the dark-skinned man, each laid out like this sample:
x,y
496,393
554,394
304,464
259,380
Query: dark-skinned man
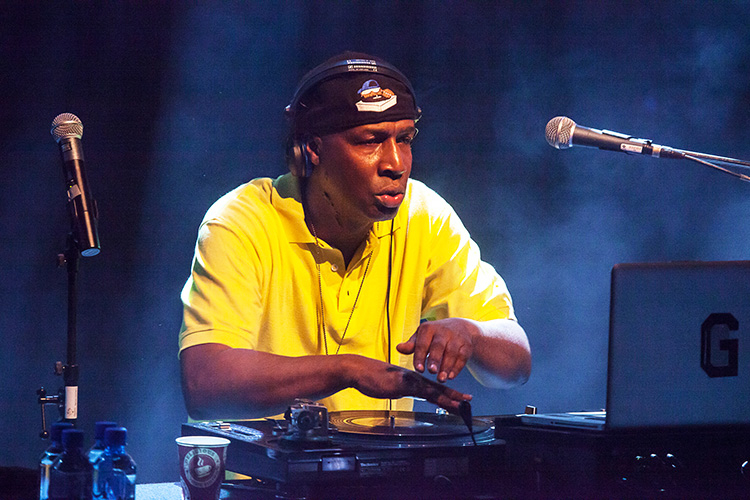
x,y
343,281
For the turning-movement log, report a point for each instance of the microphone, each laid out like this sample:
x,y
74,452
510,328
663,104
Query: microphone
x,y
67,130
562,133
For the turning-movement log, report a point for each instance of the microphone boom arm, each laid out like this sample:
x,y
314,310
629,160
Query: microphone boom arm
x,y
694,157
720,159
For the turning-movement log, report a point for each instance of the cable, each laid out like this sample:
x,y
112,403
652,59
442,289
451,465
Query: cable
x,y
388,302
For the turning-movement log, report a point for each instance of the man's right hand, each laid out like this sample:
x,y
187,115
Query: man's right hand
x,y
378,379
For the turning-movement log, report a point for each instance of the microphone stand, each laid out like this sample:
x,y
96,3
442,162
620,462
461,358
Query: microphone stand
x,y
83,240
66,399
720,159
703,159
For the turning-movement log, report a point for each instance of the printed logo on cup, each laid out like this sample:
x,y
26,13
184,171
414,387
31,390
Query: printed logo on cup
x,y
201,466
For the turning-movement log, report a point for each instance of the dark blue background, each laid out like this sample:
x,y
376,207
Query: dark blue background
x,y
181,103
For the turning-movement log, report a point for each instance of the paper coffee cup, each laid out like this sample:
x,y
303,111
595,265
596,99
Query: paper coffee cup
x,y
202,465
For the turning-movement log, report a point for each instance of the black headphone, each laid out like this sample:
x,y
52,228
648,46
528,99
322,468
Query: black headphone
x,y
297,158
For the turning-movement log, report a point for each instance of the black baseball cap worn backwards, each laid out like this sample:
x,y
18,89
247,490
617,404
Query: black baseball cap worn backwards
x,y
350,90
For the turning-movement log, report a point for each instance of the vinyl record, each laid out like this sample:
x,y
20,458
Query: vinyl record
x,y
402,423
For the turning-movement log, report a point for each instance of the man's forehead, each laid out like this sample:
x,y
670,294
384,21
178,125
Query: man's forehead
x,y
398,127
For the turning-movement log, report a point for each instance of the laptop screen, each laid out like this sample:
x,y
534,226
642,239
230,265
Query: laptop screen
x,y
679,345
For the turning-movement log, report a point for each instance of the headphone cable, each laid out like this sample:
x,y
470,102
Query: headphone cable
x,y
388,302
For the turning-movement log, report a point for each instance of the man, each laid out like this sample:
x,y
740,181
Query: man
x,y
331,282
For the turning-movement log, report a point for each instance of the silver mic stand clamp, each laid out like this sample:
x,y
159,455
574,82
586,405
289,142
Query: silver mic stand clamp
x,y
44,400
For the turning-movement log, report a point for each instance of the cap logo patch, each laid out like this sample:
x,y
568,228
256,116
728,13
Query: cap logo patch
x,y
373,98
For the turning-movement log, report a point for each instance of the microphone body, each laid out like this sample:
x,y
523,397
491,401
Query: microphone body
x,y
67,131
562,133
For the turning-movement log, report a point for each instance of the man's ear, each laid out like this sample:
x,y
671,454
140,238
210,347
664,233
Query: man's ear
x,y
300,153
313,150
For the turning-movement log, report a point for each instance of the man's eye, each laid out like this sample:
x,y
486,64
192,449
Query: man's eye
x,y
409,138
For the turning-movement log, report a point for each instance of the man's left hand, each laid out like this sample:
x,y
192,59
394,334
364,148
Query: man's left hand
x,y
443,347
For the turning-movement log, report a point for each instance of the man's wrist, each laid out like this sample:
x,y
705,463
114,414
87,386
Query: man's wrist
x,y
346,367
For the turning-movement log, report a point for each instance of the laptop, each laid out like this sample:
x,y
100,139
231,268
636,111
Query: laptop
x,y
679,349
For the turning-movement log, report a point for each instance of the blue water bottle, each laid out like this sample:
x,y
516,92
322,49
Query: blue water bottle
x,y
50,455
115,468
96,451
70,478
98,446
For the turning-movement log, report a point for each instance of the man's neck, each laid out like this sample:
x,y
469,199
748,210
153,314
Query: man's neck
x,y
347,246
327,225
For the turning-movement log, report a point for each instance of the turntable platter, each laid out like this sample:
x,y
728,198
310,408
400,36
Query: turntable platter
x,y
402,423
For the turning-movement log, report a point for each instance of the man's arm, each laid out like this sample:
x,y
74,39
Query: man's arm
x,y
221,382
496,352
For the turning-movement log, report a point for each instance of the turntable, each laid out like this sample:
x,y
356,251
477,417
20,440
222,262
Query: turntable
x,y
384,454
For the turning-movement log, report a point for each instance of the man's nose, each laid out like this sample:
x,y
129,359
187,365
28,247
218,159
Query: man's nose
x,y
394,161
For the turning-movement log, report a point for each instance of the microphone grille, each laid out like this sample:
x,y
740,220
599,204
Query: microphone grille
x,y
66,125
559,132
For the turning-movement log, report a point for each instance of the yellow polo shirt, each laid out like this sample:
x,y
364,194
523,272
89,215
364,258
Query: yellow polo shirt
x,y
254,282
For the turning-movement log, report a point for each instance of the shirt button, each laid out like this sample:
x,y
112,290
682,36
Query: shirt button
x,y
334,267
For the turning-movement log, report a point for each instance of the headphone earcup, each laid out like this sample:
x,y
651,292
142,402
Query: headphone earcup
x,y
298,160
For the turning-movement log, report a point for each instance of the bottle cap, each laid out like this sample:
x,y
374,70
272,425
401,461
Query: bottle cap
x,y
115,436
100,427
55,430
72,439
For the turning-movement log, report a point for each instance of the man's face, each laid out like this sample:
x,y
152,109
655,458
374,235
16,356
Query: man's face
x,y
363,170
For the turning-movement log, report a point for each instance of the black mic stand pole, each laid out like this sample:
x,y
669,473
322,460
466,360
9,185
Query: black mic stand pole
x,y
70,370
66,400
